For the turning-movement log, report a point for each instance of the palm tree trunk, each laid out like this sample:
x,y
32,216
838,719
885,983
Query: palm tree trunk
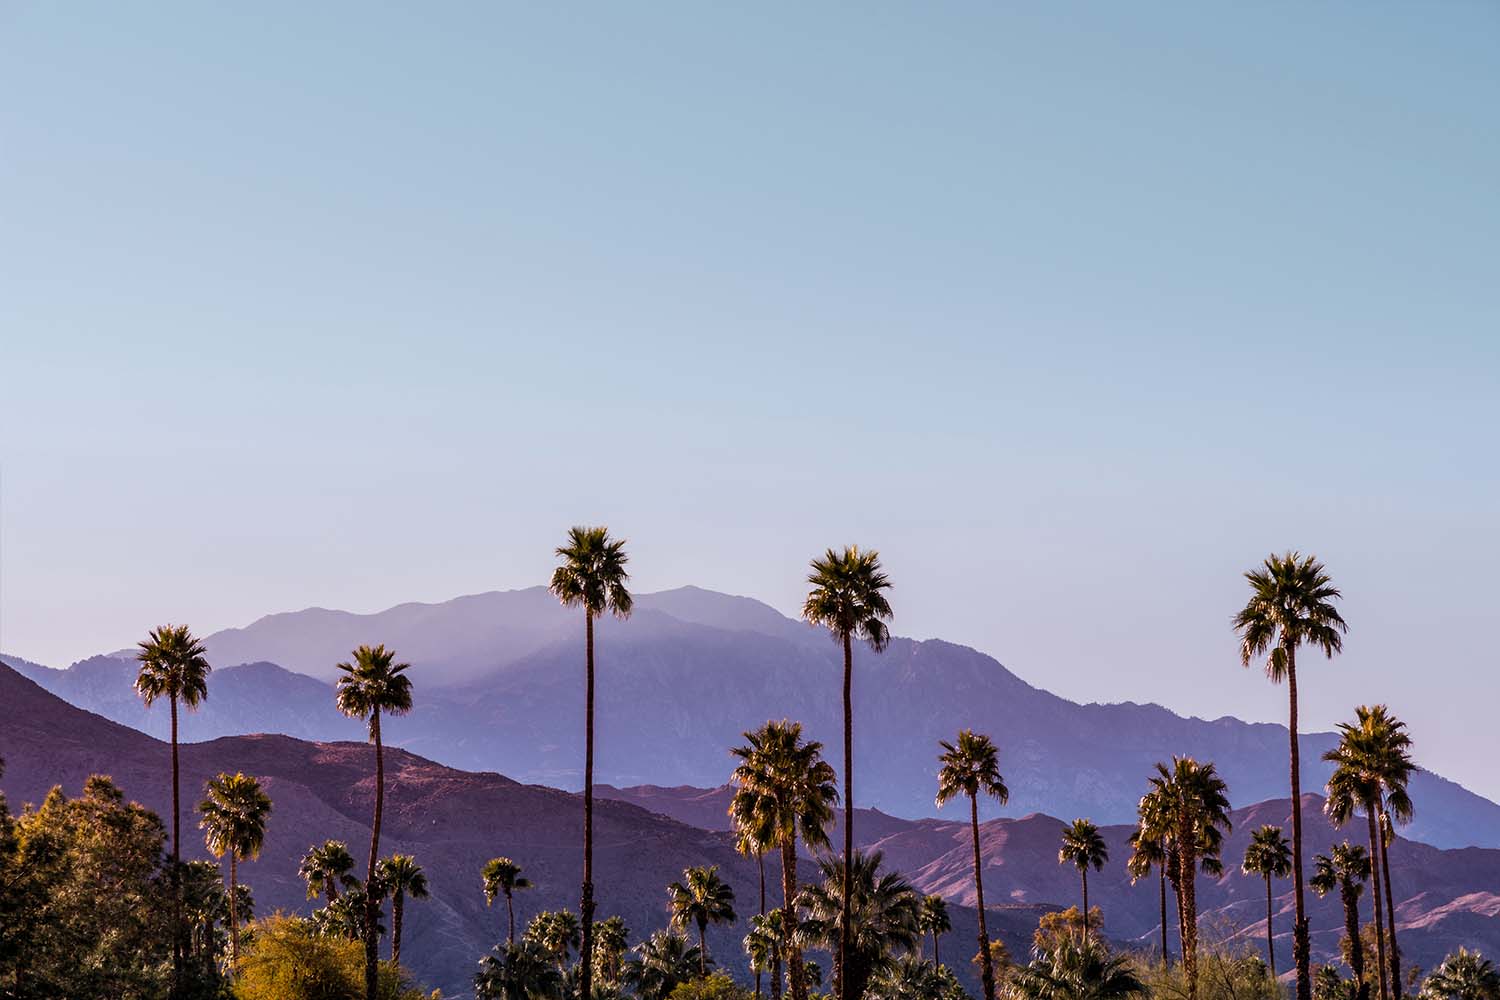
x,y
1356,947
702,951
1300,940
760,861
586,905
1084,871
1393,952
843,956
1161,872
789,921
396,907
234,922
936,962
986,963
331,888
1187,860
1379,906
1270,945
176,862
510,920
372,904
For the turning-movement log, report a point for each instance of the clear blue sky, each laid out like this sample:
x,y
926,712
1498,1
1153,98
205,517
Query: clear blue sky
x,y
1075,312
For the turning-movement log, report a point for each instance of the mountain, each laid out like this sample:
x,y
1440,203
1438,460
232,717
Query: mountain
x,y
452,821
498,680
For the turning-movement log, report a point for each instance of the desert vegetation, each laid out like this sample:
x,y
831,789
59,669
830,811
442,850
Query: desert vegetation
x,y
95,901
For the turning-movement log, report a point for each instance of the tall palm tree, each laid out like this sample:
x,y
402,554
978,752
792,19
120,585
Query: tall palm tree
x,y
592,576
1148,849
1082,846
518,971
848,599
1463,975
234,823
1346,868
884,909
1372,767
1291,605
764,946
970,766
1196,801
173,665
702,898
933,919
502,877
401,876
784,787
1269,856
372,685
325,868
1078,969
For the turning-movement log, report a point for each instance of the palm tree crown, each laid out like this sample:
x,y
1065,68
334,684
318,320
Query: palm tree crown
x,y
502,877
1083,847
234,823
933,919
173,665
1193,801
702,898
970,766
327,867
1463,975
374,684
847,596
593,573
402,877
1078,969
1268,854
1291,605
885,917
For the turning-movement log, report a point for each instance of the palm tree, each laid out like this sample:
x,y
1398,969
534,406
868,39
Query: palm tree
x,y
373,684
592,576
664,962
755,843
1195,800
933,919
1291,605
518,971
847,598
1372,767
1078,969
325,867
174,665
1346,869
1269,856
701,899
557,933
1148,844
611,939
1082,846
502,877
971,766
883,910
234,823
1463,975
786,789
401,876
764,946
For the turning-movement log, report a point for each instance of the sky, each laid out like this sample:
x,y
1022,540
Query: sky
x,y
1074,312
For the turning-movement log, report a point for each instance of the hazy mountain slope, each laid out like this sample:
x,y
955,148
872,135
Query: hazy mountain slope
x,y
499,680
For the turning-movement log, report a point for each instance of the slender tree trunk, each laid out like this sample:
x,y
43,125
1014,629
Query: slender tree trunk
x,y
789,919
760,862
843,956
234,916
510,920
937,963
586,905
986,963
1270,944
1301,953
1379,906
702,951
1393,952
1161,873
1187,861
1356,947
176,862
372,897
331,888
396,907
1084,871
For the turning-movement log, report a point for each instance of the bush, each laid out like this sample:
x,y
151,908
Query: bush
x,y
717,986
287,959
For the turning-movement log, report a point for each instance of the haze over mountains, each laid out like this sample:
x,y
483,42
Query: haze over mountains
x,y
498,679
